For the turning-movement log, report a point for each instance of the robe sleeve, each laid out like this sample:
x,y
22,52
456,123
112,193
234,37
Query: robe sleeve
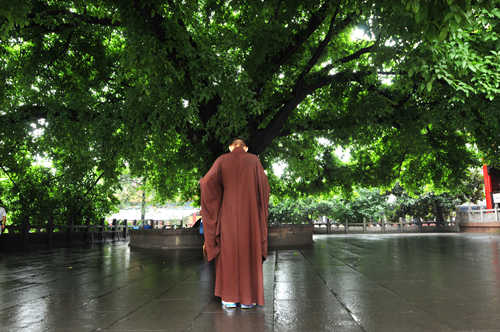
x,y
211,198
263,199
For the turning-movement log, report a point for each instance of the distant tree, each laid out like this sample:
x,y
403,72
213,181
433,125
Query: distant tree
x,y
428,204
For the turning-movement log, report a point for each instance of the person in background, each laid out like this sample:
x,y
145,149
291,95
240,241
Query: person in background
x,y
3,217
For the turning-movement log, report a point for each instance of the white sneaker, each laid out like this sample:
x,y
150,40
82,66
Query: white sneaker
x,y
228,305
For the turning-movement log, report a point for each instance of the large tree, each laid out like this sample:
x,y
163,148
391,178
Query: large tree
x,y
162,86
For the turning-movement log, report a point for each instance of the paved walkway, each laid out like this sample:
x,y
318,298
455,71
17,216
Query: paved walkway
x,y
344,283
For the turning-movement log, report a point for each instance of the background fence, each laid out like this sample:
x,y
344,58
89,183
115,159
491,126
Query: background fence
x,y
479,215
47,235
383,226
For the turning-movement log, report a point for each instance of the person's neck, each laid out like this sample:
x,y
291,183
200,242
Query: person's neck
x,y
238,149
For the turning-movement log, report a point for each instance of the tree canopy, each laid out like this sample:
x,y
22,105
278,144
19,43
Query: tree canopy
x,y
162,86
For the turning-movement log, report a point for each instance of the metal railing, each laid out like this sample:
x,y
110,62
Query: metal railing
x,y
383,226
483,215
117,231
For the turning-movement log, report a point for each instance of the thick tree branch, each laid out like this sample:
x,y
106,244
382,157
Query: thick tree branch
x,y
94,183
402,159
321,47
357,54
344,76
8,175
273,62
262,138
348,58
298,39
395,102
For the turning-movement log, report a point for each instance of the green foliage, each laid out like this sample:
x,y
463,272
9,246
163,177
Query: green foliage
x,y
375,205
364,204
77,188
368,205
469,60
291,211
160,87
132,189
427,206
37,196
428,203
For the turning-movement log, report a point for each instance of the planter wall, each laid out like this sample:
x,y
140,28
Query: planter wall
x,y
279,236
290,235
183,238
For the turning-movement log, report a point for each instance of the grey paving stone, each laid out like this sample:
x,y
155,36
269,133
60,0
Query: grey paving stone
x,y
343,283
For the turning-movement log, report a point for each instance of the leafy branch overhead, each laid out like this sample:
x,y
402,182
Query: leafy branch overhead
x,y
162,86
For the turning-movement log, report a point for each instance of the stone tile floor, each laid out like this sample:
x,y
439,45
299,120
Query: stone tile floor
x,y
423,282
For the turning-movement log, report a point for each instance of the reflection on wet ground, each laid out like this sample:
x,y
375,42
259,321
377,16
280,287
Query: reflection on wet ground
x,y
344,283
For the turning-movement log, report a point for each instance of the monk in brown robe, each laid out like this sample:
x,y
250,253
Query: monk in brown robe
x,y
234,207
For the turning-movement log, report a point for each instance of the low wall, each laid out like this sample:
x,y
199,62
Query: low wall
x,y
183,238
43,240
290,236
479,220
279,236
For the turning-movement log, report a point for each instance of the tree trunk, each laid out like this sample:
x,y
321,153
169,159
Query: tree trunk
x,y
438,212
143,205
50,231
24,231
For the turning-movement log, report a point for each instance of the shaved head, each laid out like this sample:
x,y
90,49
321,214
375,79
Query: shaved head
x,y
238,143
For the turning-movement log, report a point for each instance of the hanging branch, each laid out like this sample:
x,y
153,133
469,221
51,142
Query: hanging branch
x,y
8,175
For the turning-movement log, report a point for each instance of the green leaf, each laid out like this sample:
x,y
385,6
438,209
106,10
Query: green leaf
x,y
428,86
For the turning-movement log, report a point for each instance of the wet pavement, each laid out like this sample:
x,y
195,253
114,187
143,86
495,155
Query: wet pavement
x,y
448,282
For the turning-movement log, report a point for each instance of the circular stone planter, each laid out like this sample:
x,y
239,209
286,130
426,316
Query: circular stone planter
x,y
290,235
183,238
279,236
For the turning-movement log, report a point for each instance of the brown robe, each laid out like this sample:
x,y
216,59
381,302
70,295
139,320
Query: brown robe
x,y
234,207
